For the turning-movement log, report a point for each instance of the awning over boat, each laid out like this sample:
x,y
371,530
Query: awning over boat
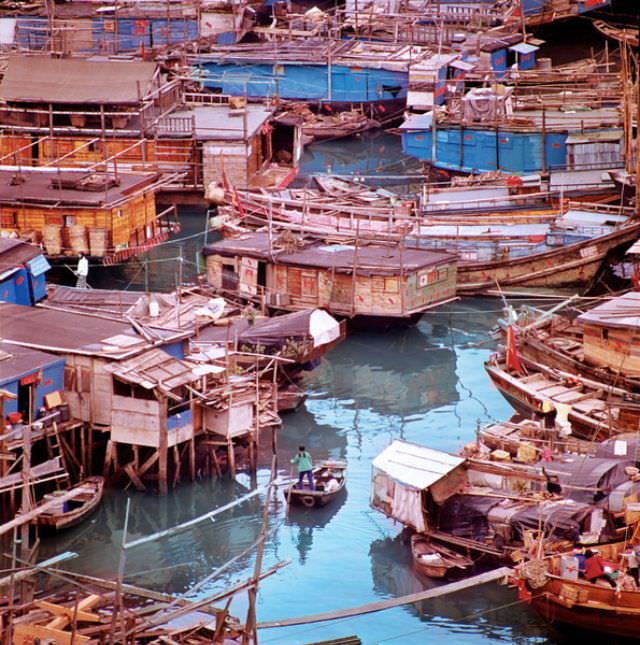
x,y
414,465
403,471
418,122
463,65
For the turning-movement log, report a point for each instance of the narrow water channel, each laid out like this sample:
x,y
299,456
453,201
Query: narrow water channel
x,y
424,384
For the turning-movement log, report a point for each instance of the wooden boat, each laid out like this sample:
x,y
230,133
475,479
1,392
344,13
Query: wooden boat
x,y
329,481
594,410
434,560
526,440
575,602
77,509
343,124
625,184
567,251
628,35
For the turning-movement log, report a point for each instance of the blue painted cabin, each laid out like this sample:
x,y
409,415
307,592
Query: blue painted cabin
x,y
308,82
341,74
22,272
478,149
30,375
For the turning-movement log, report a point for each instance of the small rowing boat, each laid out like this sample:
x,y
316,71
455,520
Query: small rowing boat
x,y
329,481
74,511
434,560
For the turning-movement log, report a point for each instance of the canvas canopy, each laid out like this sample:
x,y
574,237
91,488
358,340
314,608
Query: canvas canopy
x,y
404,471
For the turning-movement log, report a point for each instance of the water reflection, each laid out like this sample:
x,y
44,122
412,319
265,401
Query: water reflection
x,y
486,611
306,520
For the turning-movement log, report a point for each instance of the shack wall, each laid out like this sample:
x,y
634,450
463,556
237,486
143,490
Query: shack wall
x,y
231,158
475,150
235,421
49,379
121,227
430,285
614,348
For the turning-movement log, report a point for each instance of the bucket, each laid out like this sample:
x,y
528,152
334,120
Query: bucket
x,y
569,567
65,413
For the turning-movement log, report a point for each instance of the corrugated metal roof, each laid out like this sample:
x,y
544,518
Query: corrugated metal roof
x,y
155,369
414,465
622,312
42,79
66,332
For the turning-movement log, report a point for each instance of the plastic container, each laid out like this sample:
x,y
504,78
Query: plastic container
x,y
569,567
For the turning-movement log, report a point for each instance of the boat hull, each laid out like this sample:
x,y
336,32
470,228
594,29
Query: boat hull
x,y
572,266
613,617
66,520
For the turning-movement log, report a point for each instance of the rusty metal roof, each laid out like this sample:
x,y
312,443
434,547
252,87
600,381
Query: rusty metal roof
x,y
369,259
623,312
64,332
16,361
41,79
36,186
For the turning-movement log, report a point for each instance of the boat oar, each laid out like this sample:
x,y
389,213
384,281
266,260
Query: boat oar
x,y
289,491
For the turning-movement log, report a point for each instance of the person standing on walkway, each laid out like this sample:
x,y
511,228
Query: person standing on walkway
x,y
302,459
82,271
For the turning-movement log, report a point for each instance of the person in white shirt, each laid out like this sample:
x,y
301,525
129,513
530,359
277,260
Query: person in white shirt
x,y
82,271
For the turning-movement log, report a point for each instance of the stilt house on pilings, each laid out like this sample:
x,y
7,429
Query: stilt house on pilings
x,y
128,394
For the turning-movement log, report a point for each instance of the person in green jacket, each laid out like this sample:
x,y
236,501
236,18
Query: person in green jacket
x,y
302,459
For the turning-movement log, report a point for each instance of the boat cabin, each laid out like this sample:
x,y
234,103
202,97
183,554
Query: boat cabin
x,y
290,273
611,335
107,216
22,272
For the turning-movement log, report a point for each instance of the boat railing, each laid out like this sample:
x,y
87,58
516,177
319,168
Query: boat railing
x,y
523,199
601,208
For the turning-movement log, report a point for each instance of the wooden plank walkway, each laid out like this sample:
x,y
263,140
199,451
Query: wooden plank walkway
x,y
381,605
